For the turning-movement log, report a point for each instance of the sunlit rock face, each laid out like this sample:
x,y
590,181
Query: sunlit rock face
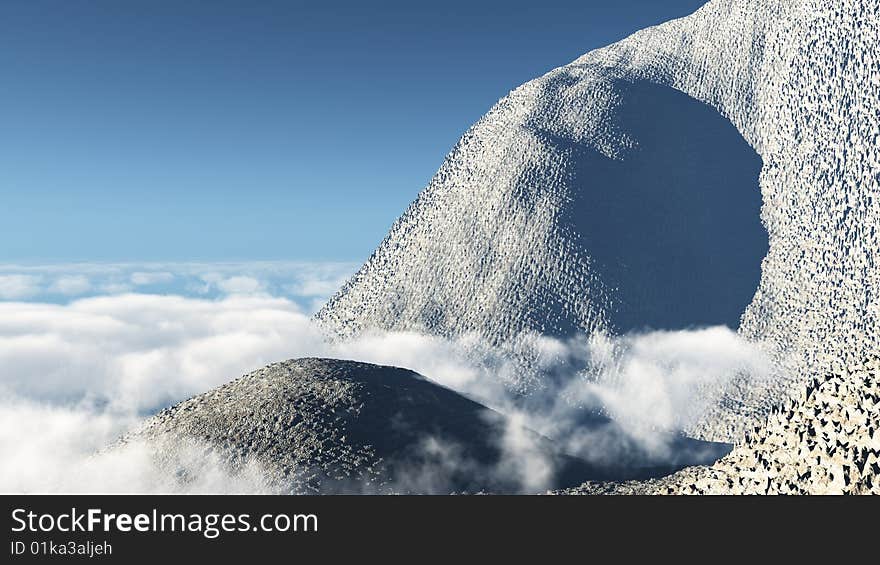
x,y
624,190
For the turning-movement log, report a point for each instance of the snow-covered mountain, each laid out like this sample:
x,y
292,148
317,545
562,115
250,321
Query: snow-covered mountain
x,y
719,168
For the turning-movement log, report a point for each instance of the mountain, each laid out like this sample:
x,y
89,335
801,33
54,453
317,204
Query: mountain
x,y
330,426
722,168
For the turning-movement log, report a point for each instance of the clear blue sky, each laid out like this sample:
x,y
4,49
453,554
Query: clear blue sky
x,y
219,130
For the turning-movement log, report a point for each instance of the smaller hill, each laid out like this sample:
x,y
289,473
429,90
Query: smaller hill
x,y
329,426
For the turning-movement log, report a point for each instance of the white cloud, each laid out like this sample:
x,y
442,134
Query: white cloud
x,y
64,453
665,379
88,369
240,285
71,285
318,283
144,278
140,352
14,287
115,287
308,283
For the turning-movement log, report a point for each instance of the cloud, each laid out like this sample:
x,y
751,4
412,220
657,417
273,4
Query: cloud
x,y
609,400
74,377
64,453
240,285
71,285
318,284
309,284
139,352
84,372
669,379
115,287
14,287
146,278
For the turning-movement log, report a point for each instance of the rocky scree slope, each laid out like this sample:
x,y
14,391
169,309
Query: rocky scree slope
x,y
826,441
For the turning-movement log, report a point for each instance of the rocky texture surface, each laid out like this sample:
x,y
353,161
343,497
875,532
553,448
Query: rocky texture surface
x,y
325,426
614,488
498,245
827,441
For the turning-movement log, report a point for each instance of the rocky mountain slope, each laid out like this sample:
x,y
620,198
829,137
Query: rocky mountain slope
x,y
329,426
608,195
826,441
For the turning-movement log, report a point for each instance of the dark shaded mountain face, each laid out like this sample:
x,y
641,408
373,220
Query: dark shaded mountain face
x,y
328,426
672,224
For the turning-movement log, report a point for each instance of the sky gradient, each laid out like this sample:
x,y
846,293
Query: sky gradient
x,y
232,130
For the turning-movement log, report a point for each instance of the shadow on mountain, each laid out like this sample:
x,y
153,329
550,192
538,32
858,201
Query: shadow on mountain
x,y
612,451
673,225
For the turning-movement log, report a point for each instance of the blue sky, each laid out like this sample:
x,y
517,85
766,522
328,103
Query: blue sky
x,y
234,130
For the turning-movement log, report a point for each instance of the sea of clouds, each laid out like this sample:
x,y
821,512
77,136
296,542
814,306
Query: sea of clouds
x,y
88,351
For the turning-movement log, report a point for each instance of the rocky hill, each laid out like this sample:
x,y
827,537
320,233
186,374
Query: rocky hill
x,y
329,426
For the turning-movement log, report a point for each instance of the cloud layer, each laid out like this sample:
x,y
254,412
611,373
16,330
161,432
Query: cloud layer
x,y
307,283
75,376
